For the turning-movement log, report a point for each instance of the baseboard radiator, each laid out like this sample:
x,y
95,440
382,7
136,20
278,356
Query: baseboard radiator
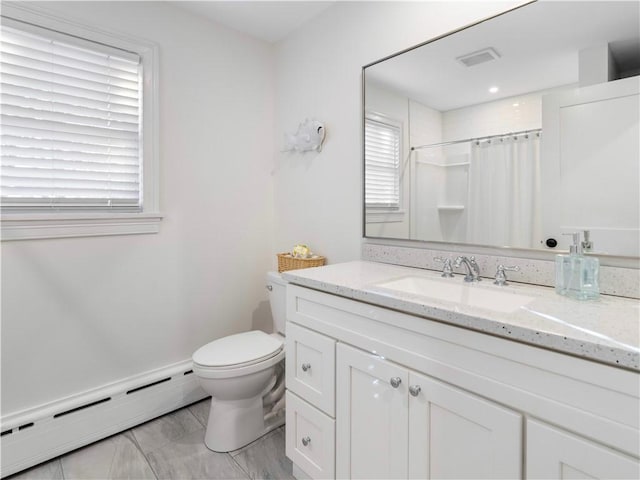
x,y
35,435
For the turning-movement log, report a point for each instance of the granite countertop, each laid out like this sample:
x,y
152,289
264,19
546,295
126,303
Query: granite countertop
x,y
606,330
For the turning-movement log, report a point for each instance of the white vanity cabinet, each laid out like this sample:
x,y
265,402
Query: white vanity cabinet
x,y
415,398
396,423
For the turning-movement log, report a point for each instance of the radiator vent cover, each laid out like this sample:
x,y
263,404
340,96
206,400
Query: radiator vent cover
x,y
476,58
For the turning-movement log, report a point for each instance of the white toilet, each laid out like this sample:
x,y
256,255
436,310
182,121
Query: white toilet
x,y
244,373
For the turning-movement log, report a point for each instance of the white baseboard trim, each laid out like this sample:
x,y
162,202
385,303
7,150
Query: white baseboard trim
x,y
35,435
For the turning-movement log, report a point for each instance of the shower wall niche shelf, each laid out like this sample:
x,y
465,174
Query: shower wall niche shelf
x,y
451,208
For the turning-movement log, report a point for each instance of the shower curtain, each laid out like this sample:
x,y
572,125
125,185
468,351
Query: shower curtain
x,y
504,192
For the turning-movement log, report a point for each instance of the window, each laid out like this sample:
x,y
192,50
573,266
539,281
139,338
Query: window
x,y
77,143
382,163
70,124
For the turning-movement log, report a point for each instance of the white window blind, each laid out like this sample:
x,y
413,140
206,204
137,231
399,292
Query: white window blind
x,y
70,123
382,164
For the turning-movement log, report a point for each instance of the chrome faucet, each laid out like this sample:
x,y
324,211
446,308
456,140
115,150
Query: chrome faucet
x,y
473,270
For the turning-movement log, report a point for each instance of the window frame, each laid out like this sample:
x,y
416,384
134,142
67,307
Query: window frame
x,y
386,214
22,226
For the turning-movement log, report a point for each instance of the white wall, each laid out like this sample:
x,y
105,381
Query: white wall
x,y
79,313
512,114
318,196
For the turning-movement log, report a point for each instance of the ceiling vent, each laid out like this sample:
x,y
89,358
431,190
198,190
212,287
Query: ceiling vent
x,y
481,56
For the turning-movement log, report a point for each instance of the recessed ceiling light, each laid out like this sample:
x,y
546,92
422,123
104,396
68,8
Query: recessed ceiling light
x,y
516,105
493,90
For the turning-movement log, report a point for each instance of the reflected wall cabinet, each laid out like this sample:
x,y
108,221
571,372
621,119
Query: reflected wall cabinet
x,y
375,393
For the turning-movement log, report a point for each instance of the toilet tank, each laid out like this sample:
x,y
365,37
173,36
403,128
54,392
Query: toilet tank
x,y
277,287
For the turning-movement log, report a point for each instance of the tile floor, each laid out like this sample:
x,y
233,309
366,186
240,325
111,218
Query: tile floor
x,y
169,447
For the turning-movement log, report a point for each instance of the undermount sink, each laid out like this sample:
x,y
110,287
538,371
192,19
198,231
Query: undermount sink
x,y
454,290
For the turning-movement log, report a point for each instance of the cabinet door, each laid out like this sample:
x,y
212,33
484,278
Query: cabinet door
x,y
371,416
455,434
556,454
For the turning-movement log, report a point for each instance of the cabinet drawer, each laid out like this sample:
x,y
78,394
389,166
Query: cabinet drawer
x,y
310,438
310,367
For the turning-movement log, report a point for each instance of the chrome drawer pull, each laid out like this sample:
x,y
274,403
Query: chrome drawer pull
x,y
415,390
306,366
395,382
306,441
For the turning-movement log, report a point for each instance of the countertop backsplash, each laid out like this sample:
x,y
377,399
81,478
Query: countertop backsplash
x,y
622,282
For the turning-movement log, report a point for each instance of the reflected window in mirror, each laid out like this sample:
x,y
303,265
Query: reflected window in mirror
x,y
386,191
382,162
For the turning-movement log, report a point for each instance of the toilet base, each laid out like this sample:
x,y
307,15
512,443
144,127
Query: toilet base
x,y
234,424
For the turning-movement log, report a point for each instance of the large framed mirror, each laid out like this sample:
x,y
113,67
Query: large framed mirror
x,y
510,133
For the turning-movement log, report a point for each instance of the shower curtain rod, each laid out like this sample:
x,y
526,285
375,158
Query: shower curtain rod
x,y
479,139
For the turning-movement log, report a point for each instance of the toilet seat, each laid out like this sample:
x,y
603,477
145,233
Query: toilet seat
x,y
237,355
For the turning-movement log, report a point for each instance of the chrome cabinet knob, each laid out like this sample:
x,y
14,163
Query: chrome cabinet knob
x,y
415,390
306,366
395,382
269,287
306,441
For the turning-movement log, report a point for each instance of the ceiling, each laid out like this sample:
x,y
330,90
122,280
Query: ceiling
x,y
538,46
265,20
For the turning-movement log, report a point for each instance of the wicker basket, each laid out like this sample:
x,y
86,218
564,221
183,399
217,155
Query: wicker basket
x,y
287,262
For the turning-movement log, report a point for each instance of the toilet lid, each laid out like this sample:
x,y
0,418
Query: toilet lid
x,y
247,347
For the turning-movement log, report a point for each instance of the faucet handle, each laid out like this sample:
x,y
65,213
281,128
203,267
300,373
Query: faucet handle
x,y
501,276
447,269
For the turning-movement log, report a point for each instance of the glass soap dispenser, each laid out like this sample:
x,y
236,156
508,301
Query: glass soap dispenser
x,y
577,276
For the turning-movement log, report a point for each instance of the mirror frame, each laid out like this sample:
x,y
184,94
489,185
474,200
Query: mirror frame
x,y
537,254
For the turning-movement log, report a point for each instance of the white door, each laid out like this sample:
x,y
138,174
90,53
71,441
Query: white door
x,y
556,454
455,434
371,416
589,165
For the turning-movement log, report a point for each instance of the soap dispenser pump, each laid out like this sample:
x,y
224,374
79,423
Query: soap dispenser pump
x,y
577,276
